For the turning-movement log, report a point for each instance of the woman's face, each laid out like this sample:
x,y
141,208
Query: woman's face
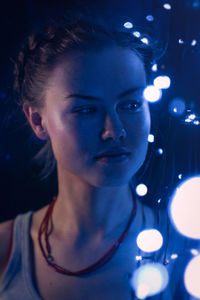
x,y
81,128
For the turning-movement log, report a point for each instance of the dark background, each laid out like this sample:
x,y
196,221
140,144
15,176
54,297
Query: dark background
x,y
181,62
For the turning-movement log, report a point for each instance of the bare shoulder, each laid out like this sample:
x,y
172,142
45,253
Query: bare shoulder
x,y
5,235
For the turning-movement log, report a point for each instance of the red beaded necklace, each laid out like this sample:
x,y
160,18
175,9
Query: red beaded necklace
x,y
100,262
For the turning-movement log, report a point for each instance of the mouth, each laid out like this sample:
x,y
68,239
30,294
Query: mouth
x,y
112,158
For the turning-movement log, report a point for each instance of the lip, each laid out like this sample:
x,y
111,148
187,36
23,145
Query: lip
x,y
113,152
113,159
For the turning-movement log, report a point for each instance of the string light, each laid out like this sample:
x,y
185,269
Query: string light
x,y
167,6
193,43
149,240
150,18
145,40
149,280
154,68
128,25
184,208
152,93
141,189
151,138
137,34
181,41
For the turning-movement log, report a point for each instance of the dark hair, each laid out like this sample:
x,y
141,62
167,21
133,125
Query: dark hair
x,y
42,51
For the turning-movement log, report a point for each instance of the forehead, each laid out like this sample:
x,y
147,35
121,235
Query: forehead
x,y
107,69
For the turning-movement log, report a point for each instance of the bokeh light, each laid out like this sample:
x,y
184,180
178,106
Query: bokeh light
x,y
167,6
137,34
177,106
149,240
191,277
162,82
141,189
149,280
151,138
145,40
193,43
150,18
152,93
160,151
184,208
128,25
154,68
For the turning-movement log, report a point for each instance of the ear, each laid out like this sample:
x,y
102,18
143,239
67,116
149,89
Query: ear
x,y
36,122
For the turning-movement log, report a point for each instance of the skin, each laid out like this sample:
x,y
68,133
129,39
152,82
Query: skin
x,y
94,199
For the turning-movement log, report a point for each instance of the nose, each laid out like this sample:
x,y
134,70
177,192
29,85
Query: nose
x,y
113,128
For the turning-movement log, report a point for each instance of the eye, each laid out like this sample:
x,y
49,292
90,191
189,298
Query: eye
x,y
134,105
85,110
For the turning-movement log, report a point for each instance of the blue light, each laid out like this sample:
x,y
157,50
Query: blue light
x,y
128,25
181,41
184,208
188,120
152,93
150,18
151,138
149,240
177,106
193,43
167,6
160,151
145,40
196,122
154,68
192,116
174,256
137,34
191,277
162,82
149,280
141,189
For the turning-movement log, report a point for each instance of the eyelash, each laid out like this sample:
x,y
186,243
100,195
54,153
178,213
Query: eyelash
x,y
135,103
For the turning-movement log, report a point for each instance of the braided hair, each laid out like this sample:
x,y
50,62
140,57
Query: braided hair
x,y
43,50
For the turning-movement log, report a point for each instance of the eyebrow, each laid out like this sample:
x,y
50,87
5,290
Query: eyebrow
x,y
88,97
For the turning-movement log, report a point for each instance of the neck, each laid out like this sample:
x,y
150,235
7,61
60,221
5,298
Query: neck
x,y
83,212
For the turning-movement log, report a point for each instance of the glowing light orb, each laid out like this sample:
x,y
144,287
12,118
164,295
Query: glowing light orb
x,y
151,138
167,6
150,18
174,256
191,277
194,251
184,208
141,189
128,25
149,240
177,106
192,116
160,151
145,40
138,257
154,68
181,41
196,122
149,280
193,43
180,176
162,82
152,93
188,120
137,34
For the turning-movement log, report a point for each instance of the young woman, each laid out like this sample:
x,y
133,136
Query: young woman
x,y
81,89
